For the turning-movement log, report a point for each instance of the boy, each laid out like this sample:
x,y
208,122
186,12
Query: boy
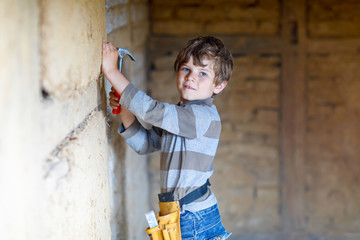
x,y
187,133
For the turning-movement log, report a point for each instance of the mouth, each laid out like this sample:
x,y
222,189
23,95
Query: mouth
x,y
189,87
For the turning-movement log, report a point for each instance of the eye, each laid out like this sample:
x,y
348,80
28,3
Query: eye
x,y
203,74
185,69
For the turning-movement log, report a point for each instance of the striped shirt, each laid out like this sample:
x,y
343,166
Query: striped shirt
x,y
187,136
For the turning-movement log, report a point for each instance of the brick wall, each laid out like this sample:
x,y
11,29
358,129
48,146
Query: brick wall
x,y
339,19
333,112
215,17
332,139
248,154
286,164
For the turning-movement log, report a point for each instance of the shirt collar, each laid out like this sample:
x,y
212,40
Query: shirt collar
x,y
207,101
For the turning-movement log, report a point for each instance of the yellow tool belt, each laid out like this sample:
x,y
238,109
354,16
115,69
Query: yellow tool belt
x,y
169,222
169,215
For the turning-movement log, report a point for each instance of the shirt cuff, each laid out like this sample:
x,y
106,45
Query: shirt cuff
x,y
131,130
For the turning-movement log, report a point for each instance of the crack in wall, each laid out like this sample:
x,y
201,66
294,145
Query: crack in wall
x,y
57,166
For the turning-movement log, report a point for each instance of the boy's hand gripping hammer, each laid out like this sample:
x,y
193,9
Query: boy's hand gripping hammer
x,y
122,53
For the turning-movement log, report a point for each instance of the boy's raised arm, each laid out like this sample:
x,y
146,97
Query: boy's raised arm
x,y
109,67
175,119
184,121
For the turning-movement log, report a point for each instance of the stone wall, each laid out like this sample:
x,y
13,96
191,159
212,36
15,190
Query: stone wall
x,y
64,171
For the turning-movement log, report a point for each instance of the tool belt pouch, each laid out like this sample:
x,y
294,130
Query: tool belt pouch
x,y
169,222
155,233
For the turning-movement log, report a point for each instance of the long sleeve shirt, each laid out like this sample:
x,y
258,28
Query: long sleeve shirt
x,y
187,136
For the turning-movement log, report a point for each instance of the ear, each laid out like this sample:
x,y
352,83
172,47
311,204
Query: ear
x,y
220,87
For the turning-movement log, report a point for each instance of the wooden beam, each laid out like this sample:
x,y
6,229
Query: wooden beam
x,y
293,115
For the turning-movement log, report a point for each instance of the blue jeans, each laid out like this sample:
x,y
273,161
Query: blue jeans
x,y
202,225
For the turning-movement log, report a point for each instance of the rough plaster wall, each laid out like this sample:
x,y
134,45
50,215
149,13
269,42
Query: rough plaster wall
x,y
77,192
20,165
53,146
70,51
68,37
127,27
77,186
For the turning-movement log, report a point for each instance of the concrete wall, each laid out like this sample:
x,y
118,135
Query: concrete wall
x,y
287,160
64,172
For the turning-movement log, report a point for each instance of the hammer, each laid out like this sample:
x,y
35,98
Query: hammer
x,y
122,53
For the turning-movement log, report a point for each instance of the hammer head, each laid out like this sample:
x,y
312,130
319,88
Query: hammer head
x,y
123,52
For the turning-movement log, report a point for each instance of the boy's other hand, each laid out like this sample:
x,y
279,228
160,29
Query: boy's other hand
x,y
109,58
113,100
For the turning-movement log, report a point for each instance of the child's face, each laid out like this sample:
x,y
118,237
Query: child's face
x,y
196,82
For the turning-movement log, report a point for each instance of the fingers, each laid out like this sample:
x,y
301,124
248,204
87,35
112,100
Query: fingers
x,y
108,47
113,100
113,96
114,105
111,45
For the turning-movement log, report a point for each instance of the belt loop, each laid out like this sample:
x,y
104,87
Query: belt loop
x,y
197,216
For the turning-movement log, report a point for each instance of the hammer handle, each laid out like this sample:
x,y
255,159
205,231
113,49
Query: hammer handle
x,y
117,110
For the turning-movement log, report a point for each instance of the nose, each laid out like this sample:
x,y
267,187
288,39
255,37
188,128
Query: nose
x,y
190,76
